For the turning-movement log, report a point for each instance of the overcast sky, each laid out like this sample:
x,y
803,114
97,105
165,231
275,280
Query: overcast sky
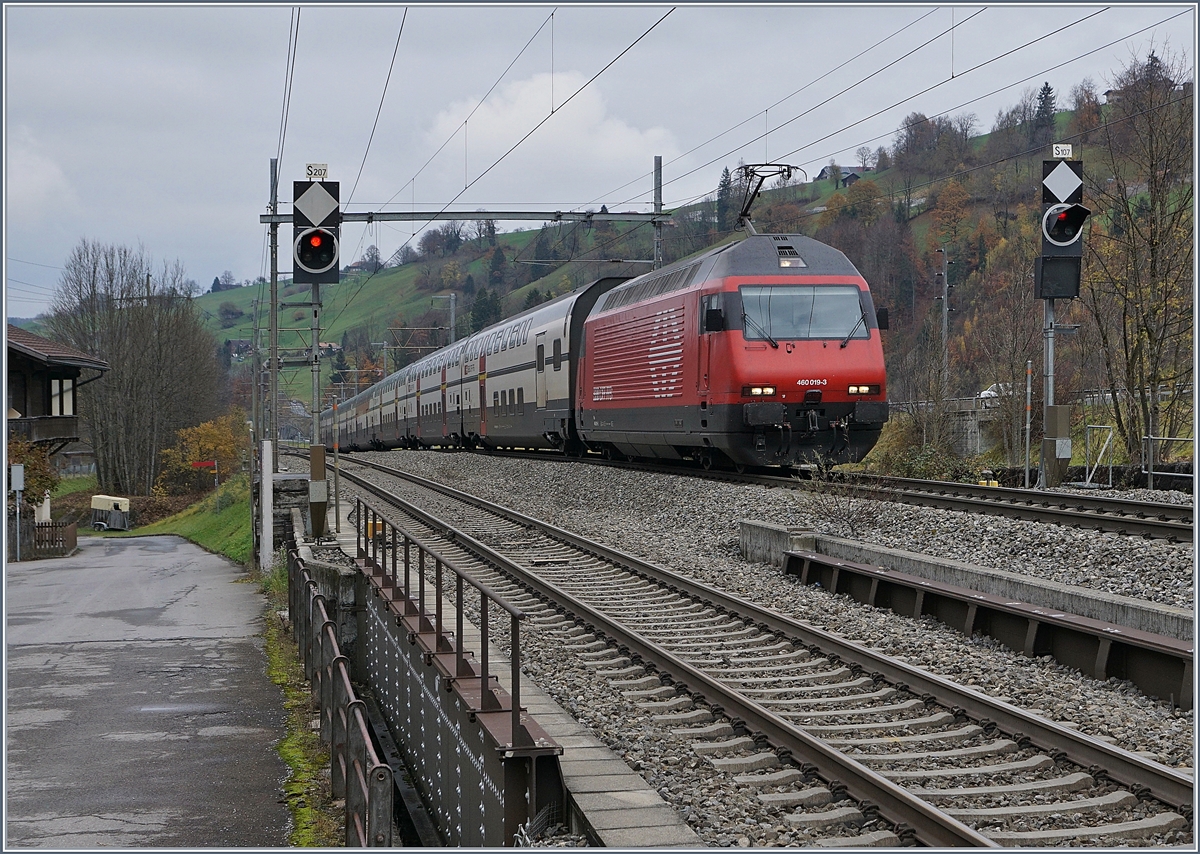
x,y
156,125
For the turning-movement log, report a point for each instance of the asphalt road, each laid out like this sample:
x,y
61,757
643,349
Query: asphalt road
x,y
138,710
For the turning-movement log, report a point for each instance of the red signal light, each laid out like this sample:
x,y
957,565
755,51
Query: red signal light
x,y
315,241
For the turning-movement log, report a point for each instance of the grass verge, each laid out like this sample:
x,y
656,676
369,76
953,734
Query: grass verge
x,y
316,823
220,523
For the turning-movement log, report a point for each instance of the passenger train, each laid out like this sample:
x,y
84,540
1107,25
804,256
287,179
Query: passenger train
x,y
762,352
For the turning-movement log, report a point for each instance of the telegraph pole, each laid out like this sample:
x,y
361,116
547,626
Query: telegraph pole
x,y
945,298
453,297
658,255
272,417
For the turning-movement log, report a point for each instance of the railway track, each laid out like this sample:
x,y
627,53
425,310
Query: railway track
x,y
802,715
1149,519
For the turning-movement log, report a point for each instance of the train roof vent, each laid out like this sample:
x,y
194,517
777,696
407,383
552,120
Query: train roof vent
x,y
648,287
789,257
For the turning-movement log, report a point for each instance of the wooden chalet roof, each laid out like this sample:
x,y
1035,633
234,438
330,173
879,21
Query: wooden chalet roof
x,y
49,352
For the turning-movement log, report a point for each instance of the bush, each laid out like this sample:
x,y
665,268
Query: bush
x,y
224,440
929,463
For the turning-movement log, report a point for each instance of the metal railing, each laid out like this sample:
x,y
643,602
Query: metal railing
x,y
376,536
498,768
357,773
1149,455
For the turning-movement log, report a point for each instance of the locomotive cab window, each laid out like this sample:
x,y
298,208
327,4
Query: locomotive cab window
x,y
797,312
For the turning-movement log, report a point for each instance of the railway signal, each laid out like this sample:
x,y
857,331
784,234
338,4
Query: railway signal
x,y
1059,269
1062,225
1057,275
316,251
316,222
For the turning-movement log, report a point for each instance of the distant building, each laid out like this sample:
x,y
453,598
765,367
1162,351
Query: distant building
x,y
846,178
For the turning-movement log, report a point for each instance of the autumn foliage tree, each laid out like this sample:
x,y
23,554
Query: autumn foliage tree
x,y
40,477
224,440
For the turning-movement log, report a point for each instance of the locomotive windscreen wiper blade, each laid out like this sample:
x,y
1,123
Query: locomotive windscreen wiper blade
x,y
846,340
767,335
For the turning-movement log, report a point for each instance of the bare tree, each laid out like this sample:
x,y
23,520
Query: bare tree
x,y
163,368
1138,281
1006,334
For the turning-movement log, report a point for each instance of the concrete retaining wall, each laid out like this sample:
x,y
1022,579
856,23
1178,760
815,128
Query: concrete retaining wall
x,y
765,543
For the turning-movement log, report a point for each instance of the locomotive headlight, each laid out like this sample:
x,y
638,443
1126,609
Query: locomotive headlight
x,y
758,391
863,389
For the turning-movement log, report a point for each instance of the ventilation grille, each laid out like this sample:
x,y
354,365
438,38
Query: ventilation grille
x,y
787,252
653,287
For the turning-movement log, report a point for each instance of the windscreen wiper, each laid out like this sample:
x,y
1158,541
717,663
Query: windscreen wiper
x,y
846,340
747,318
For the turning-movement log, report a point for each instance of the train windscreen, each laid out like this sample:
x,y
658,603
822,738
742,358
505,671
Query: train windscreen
x,y
791,312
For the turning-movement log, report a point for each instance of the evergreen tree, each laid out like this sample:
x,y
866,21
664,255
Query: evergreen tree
x,y
725,201
541,252
1043,119
485,310
496,269
534,297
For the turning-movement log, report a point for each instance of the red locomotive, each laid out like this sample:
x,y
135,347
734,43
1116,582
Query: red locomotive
x,y
762,352
765,352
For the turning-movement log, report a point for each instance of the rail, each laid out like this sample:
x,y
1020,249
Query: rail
x,y
356,772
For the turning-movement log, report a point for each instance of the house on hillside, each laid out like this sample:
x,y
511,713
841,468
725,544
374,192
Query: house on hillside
x,y
847,177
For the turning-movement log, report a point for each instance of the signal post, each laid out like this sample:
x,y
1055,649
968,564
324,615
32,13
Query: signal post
x,y
1057,275
316,226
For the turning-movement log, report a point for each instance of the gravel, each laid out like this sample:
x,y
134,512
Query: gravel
x,y
690,525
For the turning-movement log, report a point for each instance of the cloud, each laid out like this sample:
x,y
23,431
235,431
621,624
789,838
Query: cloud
x,y
580,152
37,189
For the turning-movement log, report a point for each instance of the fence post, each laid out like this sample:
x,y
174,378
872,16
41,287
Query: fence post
x,y
355,793
339,755
379,807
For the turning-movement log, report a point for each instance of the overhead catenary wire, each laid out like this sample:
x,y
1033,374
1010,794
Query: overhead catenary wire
x,y
503,74
819,104
379,111
890,107
997,90
929,89
293,44
788,97
514,147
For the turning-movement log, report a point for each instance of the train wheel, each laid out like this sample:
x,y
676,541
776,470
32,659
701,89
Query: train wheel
x,y
740,468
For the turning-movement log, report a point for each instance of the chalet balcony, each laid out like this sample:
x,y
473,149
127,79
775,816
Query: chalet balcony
x,y
56,429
